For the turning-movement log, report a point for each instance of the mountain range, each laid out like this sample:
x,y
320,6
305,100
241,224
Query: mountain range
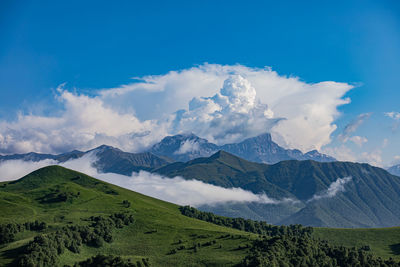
x,y
59,217
325,194
258,149
395,170
300,190
109,159
177,148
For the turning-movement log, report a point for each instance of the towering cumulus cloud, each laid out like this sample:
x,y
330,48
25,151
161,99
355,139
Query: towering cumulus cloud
x,y
221,103
230,115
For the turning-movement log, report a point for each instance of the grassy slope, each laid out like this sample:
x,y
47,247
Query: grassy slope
x,y
370,199
19,203
384,242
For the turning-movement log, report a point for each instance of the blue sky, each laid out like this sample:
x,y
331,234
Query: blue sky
x,y
92,45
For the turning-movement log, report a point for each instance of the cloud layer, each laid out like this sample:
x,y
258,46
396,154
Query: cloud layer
x,y
176,190
221,103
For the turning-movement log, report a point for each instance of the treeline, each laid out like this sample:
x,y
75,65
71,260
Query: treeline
x,y
102,260
291,246
258,227
293,251
45,249
8,231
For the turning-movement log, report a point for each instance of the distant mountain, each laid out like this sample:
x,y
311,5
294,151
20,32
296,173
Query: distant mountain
x,y
64,198
114,160
109,159
184,147
258,149
330,194
395,170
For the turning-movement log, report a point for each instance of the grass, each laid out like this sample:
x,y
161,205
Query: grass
x,y
159,227
384,242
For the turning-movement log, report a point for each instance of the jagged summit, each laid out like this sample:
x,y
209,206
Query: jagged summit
x,y
103,148
260,148
184,147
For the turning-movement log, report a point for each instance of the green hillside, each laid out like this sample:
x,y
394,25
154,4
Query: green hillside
x,y
384,242
60,197
59,217
370,199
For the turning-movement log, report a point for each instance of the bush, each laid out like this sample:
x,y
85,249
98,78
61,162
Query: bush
x,y
44,249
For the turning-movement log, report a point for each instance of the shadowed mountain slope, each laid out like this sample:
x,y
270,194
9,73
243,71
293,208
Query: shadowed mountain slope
x,y
258,149
333,194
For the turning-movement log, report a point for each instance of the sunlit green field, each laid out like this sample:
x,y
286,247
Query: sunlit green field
x,y
384,242
159,227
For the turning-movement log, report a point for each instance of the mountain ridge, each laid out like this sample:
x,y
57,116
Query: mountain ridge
x,y
109,159
395,170
330,194
261,148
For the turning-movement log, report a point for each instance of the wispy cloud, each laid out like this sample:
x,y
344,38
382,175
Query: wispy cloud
x,y
358,140
353,125
396,117
189,146
333,189
176,190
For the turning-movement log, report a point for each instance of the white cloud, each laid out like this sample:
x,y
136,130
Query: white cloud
x,y
136,115
358,140
373,158
343,153
14,169
333,189
353,126
230,115
396,117
176,190
84,123
189,146
396,160
309,109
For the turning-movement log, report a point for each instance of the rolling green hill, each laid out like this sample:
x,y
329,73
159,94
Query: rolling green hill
x,y
61,197
59,217
370,198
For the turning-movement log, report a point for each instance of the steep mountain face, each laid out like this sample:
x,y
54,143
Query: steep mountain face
x,y
27,157
114,160
395,170
184,147
109,159
331,194
258,149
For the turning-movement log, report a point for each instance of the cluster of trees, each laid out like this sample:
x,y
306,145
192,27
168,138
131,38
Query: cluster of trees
x,y
8,231
293,251
45,249
258,227
126,203
59,196
291,246
103,260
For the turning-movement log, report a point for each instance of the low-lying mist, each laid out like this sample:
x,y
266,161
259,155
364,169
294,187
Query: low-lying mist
x,y
176,190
